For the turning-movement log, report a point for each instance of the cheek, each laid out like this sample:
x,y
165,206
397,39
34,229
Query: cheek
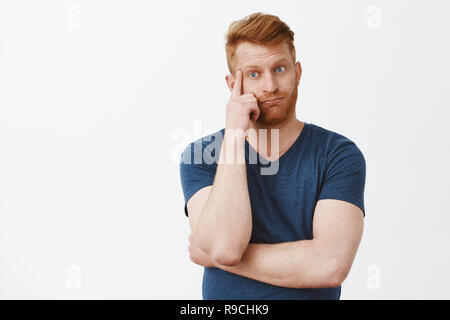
x,y
289,85
249,87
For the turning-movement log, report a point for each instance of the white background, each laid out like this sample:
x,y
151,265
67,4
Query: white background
x,y
95,94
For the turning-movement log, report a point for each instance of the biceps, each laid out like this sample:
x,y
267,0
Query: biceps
x,y
339,224
196,204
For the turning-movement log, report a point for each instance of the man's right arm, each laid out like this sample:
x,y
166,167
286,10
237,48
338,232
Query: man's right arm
x,y
220,215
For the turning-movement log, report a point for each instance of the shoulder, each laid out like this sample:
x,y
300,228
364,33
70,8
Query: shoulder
x,y
208,144
333,144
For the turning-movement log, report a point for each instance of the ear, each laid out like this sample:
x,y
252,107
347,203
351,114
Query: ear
x,y
230,81
298,72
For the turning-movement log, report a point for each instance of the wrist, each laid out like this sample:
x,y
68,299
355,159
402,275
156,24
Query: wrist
x,y
232,133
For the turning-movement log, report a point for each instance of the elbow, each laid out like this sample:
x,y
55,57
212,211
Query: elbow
x,y
226,260
337,275
222,256
223,250
226,256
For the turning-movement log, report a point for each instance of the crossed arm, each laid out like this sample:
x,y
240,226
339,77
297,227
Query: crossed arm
x,y
323,261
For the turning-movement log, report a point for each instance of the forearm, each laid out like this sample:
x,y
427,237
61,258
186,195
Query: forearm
x,y
297,264
225,223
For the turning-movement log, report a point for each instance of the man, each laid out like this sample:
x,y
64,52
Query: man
x,y
292,233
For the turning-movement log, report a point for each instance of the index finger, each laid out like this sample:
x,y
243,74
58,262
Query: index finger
x,y
237,87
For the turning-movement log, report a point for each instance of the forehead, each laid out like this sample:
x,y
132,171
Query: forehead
x,y
253,54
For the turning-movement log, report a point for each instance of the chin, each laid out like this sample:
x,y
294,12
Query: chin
x,y
273,117
271,121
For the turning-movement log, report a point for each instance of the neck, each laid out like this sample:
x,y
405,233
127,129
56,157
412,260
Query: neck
x,y
288,132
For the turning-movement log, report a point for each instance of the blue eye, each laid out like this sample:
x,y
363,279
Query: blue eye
x,y
251,73
279,67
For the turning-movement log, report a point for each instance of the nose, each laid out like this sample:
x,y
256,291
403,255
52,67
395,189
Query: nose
x,y
269,84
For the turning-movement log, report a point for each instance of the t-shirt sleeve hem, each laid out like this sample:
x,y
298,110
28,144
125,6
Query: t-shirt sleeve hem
x,y
352,201
192,192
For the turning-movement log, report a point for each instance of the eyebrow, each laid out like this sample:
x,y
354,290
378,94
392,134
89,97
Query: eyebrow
x,y
282,60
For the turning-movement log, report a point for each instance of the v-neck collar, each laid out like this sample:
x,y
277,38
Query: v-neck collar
x,y
297,141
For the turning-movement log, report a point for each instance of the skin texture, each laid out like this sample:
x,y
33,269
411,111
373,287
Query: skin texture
x,y
323,261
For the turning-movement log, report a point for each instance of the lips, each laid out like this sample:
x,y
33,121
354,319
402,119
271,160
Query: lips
x,y
272,101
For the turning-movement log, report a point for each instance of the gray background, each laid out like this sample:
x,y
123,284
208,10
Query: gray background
x,y
98,98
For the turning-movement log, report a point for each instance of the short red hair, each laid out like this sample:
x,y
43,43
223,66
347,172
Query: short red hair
x,y
258,28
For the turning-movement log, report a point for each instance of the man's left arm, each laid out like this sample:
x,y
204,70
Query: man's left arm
x,y
321,262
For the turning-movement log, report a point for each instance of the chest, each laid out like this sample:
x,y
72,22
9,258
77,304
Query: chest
x,y
283,204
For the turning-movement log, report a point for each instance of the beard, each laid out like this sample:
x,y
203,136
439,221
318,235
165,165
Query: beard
x,y
273,115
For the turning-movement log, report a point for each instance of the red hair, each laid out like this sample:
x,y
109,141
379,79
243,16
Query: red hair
x,y
257,28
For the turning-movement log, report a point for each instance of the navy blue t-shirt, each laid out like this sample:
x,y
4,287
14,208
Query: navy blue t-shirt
x,y
320,164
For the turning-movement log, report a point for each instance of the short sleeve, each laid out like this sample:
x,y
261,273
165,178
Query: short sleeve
x,y
345,175
195,173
